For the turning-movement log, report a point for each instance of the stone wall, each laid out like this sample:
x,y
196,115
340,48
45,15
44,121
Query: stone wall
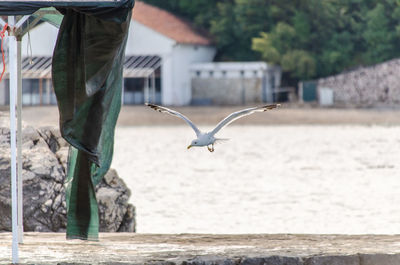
x,y
227,91
368,86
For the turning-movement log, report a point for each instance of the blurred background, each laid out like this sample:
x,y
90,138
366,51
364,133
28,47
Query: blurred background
x,y
326,162
233,52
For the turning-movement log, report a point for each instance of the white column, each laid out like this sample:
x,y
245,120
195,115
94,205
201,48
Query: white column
x,y
3,93
243,96
146,90
19,143
153,87
123,91
48,91
13,70
268,88
301,92
168,95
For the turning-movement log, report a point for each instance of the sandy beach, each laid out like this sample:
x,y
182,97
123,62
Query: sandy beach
x,y
286,114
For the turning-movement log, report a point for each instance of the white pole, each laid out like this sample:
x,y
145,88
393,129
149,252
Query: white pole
x,y
19,143
153,87
13,90
48,91
146,90
123,92
301,92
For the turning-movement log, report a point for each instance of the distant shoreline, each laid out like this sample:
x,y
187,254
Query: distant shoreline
x,y
210,115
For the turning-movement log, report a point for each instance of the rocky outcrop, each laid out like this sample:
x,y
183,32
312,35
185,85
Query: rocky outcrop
x,y
115,213
368,86
45,154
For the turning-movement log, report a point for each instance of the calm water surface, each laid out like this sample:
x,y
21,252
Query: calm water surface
x,y
266,179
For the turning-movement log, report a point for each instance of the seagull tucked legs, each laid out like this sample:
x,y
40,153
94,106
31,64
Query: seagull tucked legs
x,y
211,149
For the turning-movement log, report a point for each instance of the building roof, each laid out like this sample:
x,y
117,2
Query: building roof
x,y
141,66
134,66
168,24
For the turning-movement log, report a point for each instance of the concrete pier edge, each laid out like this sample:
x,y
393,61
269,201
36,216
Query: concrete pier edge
x,y
185,249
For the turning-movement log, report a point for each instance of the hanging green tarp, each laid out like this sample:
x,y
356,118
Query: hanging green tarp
x,y
87,79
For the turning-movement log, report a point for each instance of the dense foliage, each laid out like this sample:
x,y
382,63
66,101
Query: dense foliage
x,y
308,38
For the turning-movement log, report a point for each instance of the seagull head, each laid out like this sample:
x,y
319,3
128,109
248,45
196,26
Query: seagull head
x,y
195,142
201,141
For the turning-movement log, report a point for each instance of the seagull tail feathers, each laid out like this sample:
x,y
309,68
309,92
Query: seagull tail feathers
x,y
221,140
155,107
150,105
269,107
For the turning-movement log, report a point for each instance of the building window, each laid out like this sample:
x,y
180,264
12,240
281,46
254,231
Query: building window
x,y
134,90
30,92
133,93
272,81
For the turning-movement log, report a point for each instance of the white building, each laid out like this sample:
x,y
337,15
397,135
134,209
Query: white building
x,y
233,83
158,32
160,49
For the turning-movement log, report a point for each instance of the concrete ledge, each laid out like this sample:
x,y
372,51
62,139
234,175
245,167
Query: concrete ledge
x,y
128,248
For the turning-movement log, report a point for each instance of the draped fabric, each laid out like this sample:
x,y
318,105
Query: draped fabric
x,y
87,79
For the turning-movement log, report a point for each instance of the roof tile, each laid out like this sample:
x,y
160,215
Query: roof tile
x,y
168,24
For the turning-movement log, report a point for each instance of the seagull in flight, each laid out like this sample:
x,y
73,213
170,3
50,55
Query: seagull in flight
x,y
208,139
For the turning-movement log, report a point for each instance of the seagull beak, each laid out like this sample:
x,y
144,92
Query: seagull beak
x,y
189,146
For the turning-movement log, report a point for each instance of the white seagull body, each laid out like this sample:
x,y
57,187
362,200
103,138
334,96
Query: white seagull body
x,y
208,139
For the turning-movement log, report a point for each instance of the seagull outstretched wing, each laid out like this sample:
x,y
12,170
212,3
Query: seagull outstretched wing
x,y
175,113
241,113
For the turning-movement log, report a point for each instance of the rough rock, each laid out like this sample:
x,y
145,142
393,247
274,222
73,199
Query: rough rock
x,y
115,213
366,86
45,154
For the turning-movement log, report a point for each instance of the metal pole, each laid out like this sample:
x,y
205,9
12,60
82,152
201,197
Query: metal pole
x,y
301,84
146,89
19,143
153,87
268,87
41,91
123,92
243,87
2,22
264,86
48,91
13,70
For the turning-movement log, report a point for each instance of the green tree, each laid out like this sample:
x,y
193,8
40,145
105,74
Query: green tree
x,y
308,38
277,47
224,29
264,45
275,44
200,12
236,23
378,35
299,63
